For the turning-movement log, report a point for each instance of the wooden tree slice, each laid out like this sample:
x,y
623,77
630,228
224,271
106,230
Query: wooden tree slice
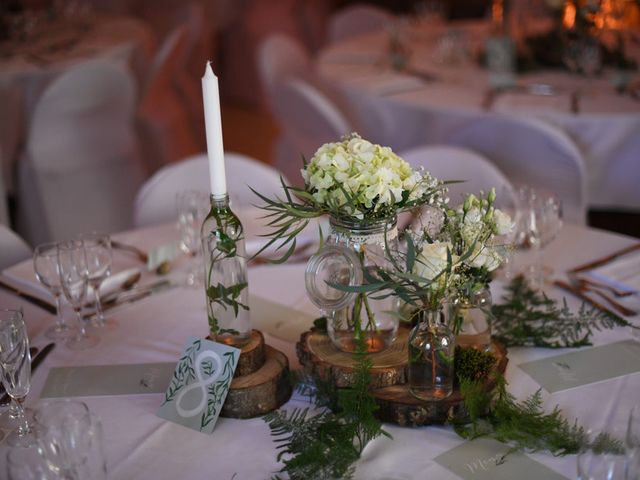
x,y
262,391
319,357
397,405
252,355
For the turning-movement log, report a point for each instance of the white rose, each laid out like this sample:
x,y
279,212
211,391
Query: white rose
x,y
486,257
432,260
504,225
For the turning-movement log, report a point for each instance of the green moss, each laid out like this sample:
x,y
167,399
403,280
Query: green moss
x,y
473,364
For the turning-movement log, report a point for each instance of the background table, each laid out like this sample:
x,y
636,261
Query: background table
x,y
418,110
140,445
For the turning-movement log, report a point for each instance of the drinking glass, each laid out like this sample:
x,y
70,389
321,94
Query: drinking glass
x,y
97,247
193,207
632,441
74,278
28,464
45,265
15,364
71,439
597,463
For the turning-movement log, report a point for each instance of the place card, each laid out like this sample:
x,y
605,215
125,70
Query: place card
x,y
280,321
200,384
585,366
479,459
97,380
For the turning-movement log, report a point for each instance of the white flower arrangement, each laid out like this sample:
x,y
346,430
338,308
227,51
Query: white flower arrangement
x,y
461,254
359,179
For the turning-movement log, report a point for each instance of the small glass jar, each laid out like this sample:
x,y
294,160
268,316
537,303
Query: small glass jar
x,y
471,317
350,250
431,356
225,275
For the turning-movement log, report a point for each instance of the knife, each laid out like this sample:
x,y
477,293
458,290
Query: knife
x,y
29,298
35,363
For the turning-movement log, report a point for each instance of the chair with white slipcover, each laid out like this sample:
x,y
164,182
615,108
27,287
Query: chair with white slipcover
x,y
356,20
475,173
13,249
280,57
82,168
162,119
530,152
308,119
156,201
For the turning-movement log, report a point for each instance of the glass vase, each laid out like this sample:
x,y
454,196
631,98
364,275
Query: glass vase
x,y
431,356
350,250
225,264
471,317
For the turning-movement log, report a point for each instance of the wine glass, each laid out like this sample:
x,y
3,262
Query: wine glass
x,y
70,437
632,441
603,460
28,464
15,364
74,278
97,247
193,207
45,265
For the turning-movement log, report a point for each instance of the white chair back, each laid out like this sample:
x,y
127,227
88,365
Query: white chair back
x,y
460,164
308,119
156,200
13,249
356,20
533,153
82,167
621,177
280,57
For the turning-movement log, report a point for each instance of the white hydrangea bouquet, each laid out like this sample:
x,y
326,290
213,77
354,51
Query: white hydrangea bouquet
x,y
352,179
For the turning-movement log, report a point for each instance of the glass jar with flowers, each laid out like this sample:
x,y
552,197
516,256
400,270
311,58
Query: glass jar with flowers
x,y
361,187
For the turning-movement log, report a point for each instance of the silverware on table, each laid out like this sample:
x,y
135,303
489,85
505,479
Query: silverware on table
x,y
581,293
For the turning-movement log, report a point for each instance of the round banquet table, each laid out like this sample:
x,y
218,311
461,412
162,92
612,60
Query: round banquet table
x,y
424,101
27,67
140,445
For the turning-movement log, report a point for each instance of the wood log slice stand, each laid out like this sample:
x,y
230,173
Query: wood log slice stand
x,y
390,389
261,382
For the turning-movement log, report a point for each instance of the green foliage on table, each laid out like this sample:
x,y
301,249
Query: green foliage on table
x,y
528,318
523,425
326,445
473,363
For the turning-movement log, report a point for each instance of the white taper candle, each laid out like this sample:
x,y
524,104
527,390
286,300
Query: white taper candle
x,y
213,127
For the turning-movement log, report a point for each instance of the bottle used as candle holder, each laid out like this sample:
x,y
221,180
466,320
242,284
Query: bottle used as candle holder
x,y
471,317
431,356
225,275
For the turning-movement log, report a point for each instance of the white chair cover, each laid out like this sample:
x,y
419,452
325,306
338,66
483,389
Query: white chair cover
x,y
533,153
162,120
82,168
13,249
455,163
308,119
280,57
156,200
356,20
621,177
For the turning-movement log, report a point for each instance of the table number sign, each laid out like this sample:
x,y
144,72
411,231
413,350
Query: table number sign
x,y
200,384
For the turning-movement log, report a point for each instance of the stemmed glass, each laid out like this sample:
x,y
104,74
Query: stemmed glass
x,y
632,441
70,439
45,265
74,278
193,207
97,247
15,364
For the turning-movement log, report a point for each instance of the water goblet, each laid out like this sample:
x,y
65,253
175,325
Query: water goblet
x,y
632,442
603,457
28,464
45,265
99,255
15,365
193,207
70,437
74,278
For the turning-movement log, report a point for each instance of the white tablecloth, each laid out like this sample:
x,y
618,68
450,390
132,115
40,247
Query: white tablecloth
x,y
415,111
140,445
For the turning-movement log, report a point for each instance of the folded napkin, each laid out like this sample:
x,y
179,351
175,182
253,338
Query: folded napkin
x,y
622,273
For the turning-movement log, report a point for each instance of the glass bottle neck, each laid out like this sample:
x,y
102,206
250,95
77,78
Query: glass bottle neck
x,y
219,201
